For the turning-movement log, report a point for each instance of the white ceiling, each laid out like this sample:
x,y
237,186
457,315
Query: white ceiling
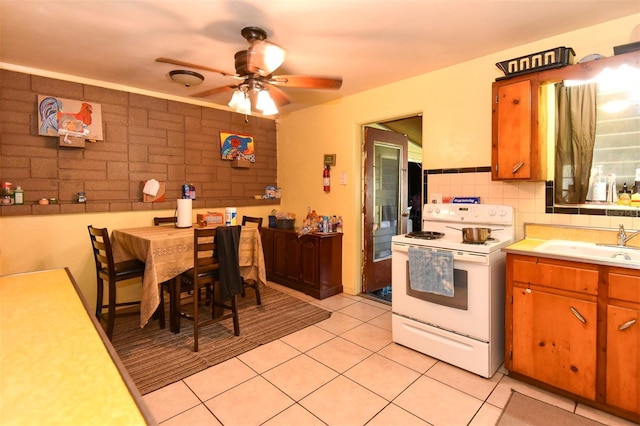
x,y
368,43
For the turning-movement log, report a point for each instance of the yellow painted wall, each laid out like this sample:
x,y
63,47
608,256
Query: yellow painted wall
x,y
456,107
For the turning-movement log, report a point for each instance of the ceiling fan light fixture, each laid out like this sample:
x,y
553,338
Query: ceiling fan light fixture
x,y
270,108
236,99
186,78
264,57
244,107
263,99
265,103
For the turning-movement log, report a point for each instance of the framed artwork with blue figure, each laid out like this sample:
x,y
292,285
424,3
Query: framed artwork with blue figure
x,y
234,146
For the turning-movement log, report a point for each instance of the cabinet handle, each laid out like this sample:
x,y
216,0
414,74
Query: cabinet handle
x,y
517,167
626,325
578,315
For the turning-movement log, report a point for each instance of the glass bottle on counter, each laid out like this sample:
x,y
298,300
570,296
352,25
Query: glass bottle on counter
x,y
624,197
636,185
18,196
599,193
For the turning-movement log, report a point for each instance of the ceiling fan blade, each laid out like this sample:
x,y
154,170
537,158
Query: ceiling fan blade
x,y
214,91
190,65
306,82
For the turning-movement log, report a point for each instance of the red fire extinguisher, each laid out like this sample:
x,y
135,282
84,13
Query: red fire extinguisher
x,y
326,178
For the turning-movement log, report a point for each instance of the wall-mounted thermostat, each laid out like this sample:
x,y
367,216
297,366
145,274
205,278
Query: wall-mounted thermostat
x,y
330,159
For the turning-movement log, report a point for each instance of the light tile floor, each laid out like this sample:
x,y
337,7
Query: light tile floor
x,y
343,371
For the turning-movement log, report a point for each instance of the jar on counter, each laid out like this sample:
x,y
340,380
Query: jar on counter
x,y
18,196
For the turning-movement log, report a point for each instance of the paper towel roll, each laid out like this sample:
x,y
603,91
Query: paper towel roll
x,y
183,213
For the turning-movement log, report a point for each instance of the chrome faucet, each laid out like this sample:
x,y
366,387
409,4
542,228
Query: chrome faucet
x,y
622,236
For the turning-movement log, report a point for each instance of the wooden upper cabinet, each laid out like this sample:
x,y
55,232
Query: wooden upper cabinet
x,y
518,148
523,126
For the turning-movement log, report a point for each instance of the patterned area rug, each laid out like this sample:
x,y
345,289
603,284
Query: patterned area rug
x,y
522,410
155,358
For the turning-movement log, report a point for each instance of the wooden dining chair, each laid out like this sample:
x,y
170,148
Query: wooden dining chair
x,y
113,273
169,220
248,221
215,261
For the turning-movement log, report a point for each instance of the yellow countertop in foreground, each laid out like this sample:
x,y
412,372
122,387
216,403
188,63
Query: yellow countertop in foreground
x,y
55,367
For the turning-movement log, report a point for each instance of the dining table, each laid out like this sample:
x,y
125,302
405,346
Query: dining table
x,y
167,252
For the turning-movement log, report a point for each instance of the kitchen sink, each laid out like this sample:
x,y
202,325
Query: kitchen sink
x,y
582,250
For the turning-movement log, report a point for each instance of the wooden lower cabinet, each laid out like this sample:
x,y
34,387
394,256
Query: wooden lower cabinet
x,y
575,327
309,263
551,344
623,342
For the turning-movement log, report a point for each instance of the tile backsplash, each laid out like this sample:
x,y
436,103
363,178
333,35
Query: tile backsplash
x,y
528,199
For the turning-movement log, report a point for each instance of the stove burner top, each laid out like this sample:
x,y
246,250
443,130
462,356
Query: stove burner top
x,y
425,235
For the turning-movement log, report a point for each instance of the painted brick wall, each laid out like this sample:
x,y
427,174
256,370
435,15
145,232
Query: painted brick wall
x,y
144,138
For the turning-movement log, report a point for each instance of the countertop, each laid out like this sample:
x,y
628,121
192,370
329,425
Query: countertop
x,y
56,366
537,234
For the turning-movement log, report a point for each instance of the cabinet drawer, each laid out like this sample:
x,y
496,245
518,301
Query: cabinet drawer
x,y
578,277
624,287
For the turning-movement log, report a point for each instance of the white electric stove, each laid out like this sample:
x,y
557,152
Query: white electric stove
x,y
466,329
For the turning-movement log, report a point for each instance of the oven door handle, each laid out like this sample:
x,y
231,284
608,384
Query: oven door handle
x,y
400,247
458,256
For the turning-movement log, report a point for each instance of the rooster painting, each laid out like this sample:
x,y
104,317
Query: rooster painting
x,y
55,121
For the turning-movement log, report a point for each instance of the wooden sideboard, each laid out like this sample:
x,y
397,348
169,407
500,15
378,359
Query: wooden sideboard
x,y
310,263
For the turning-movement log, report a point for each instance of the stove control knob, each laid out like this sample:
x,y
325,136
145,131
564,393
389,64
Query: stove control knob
x,y
429,209
492,212
503,212
437,210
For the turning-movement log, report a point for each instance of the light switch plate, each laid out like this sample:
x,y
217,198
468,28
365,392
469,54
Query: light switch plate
x,y
343,178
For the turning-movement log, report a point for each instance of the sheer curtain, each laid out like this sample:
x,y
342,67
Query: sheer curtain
x,y
575,138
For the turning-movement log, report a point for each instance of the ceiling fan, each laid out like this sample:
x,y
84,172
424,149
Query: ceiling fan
x,y
254,70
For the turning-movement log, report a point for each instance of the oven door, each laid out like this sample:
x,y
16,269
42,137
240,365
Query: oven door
x,y
467,313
